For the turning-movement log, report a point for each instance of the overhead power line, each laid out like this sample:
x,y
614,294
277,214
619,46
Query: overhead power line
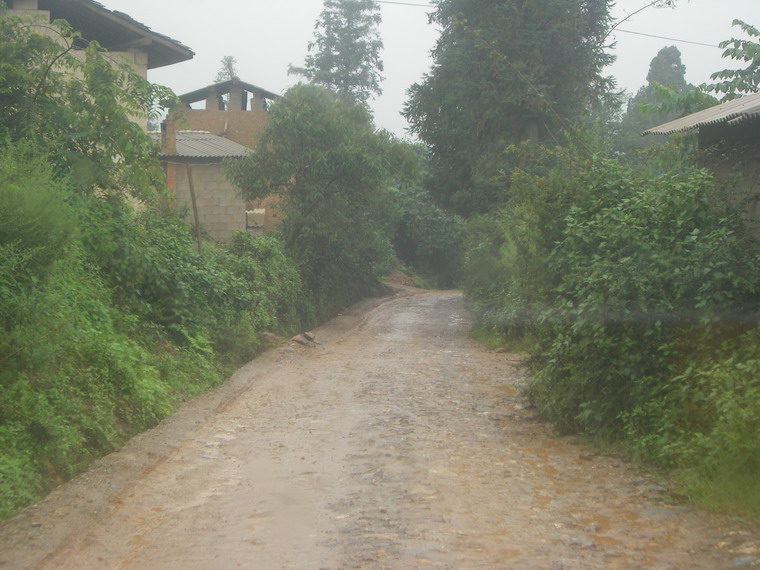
x,y
666,38
405,3
616,30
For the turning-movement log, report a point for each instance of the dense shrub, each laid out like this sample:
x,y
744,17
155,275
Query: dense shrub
x,y
428,239
108,319
639,293
717,443
506,275
68,377
333,172
636,272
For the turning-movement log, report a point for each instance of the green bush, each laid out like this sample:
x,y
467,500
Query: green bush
x,y
70,382
266,268
428,239
638,293
37,223
717,443
109,319
636,267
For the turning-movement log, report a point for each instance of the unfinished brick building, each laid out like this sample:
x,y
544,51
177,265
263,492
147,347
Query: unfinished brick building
x,y
195,143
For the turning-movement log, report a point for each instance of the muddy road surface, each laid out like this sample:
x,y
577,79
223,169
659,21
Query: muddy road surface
x,y
396,442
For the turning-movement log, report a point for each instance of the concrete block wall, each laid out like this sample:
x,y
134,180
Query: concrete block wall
x,y
272,207
738,169
221,208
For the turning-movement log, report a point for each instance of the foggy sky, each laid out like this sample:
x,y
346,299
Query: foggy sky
x,y
266,36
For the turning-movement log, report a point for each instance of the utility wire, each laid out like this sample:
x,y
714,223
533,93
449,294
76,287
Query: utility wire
x,y
404,3
615,30
666,38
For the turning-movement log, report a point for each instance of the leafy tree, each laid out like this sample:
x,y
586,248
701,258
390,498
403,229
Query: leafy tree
x,y
735,82
503,72
333,173
79,107
666,68
346,58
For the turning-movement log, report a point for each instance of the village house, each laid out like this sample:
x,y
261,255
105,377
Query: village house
x,y
124,38
194,166
195,143
729,136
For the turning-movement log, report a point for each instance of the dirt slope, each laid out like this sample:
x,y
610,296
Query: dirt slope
x,y
394,443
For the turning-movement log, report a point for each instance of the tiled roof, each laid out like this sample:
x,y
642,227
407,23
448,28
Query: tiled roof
x,y
117,31
199,144
225,87
731,113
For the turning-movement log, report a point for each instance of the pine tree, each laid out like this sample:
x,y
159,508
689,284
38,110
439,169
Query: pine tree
x,y
666,70
228,70
346,51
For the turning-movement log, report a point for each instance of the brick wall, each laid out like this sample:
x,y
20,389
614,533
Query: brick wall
x,y
239,126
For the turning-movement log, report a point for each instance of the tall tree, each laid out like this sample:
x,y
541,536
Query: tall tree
x,y
228,70
346,51
504,71
665,70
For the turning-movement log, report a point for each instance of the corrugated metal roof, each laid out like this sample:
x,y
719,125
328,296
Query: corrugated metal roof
x,y
199,144
732,113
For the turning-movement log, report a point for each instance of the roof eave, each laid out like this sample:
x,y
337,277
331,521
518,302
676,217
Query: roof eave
x,y
224,87
732,112
161,49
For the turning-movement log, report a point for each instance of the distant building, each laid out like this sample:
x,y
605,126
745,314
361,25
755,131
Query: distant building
x,y
233,109
193,162
196,142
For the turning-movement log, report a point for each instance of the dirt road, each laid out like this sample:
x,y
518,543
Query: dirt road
x,y
396,442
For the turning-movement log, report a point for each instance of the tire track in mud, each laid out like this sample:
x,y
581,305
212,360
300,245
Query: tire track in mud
x,y
395,443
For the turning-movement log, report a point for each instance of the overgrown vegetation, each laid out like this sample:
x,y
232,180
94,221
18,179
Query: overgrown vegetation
x,y
633,284
108,317
638,293
333,172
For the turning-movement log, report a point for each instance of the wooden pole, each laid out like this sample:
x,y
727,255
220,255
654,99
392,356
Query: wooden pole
x,y
189,169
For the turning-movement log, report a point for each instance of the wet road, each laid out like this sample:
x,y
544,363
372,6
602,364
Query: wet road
x,y
396,442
